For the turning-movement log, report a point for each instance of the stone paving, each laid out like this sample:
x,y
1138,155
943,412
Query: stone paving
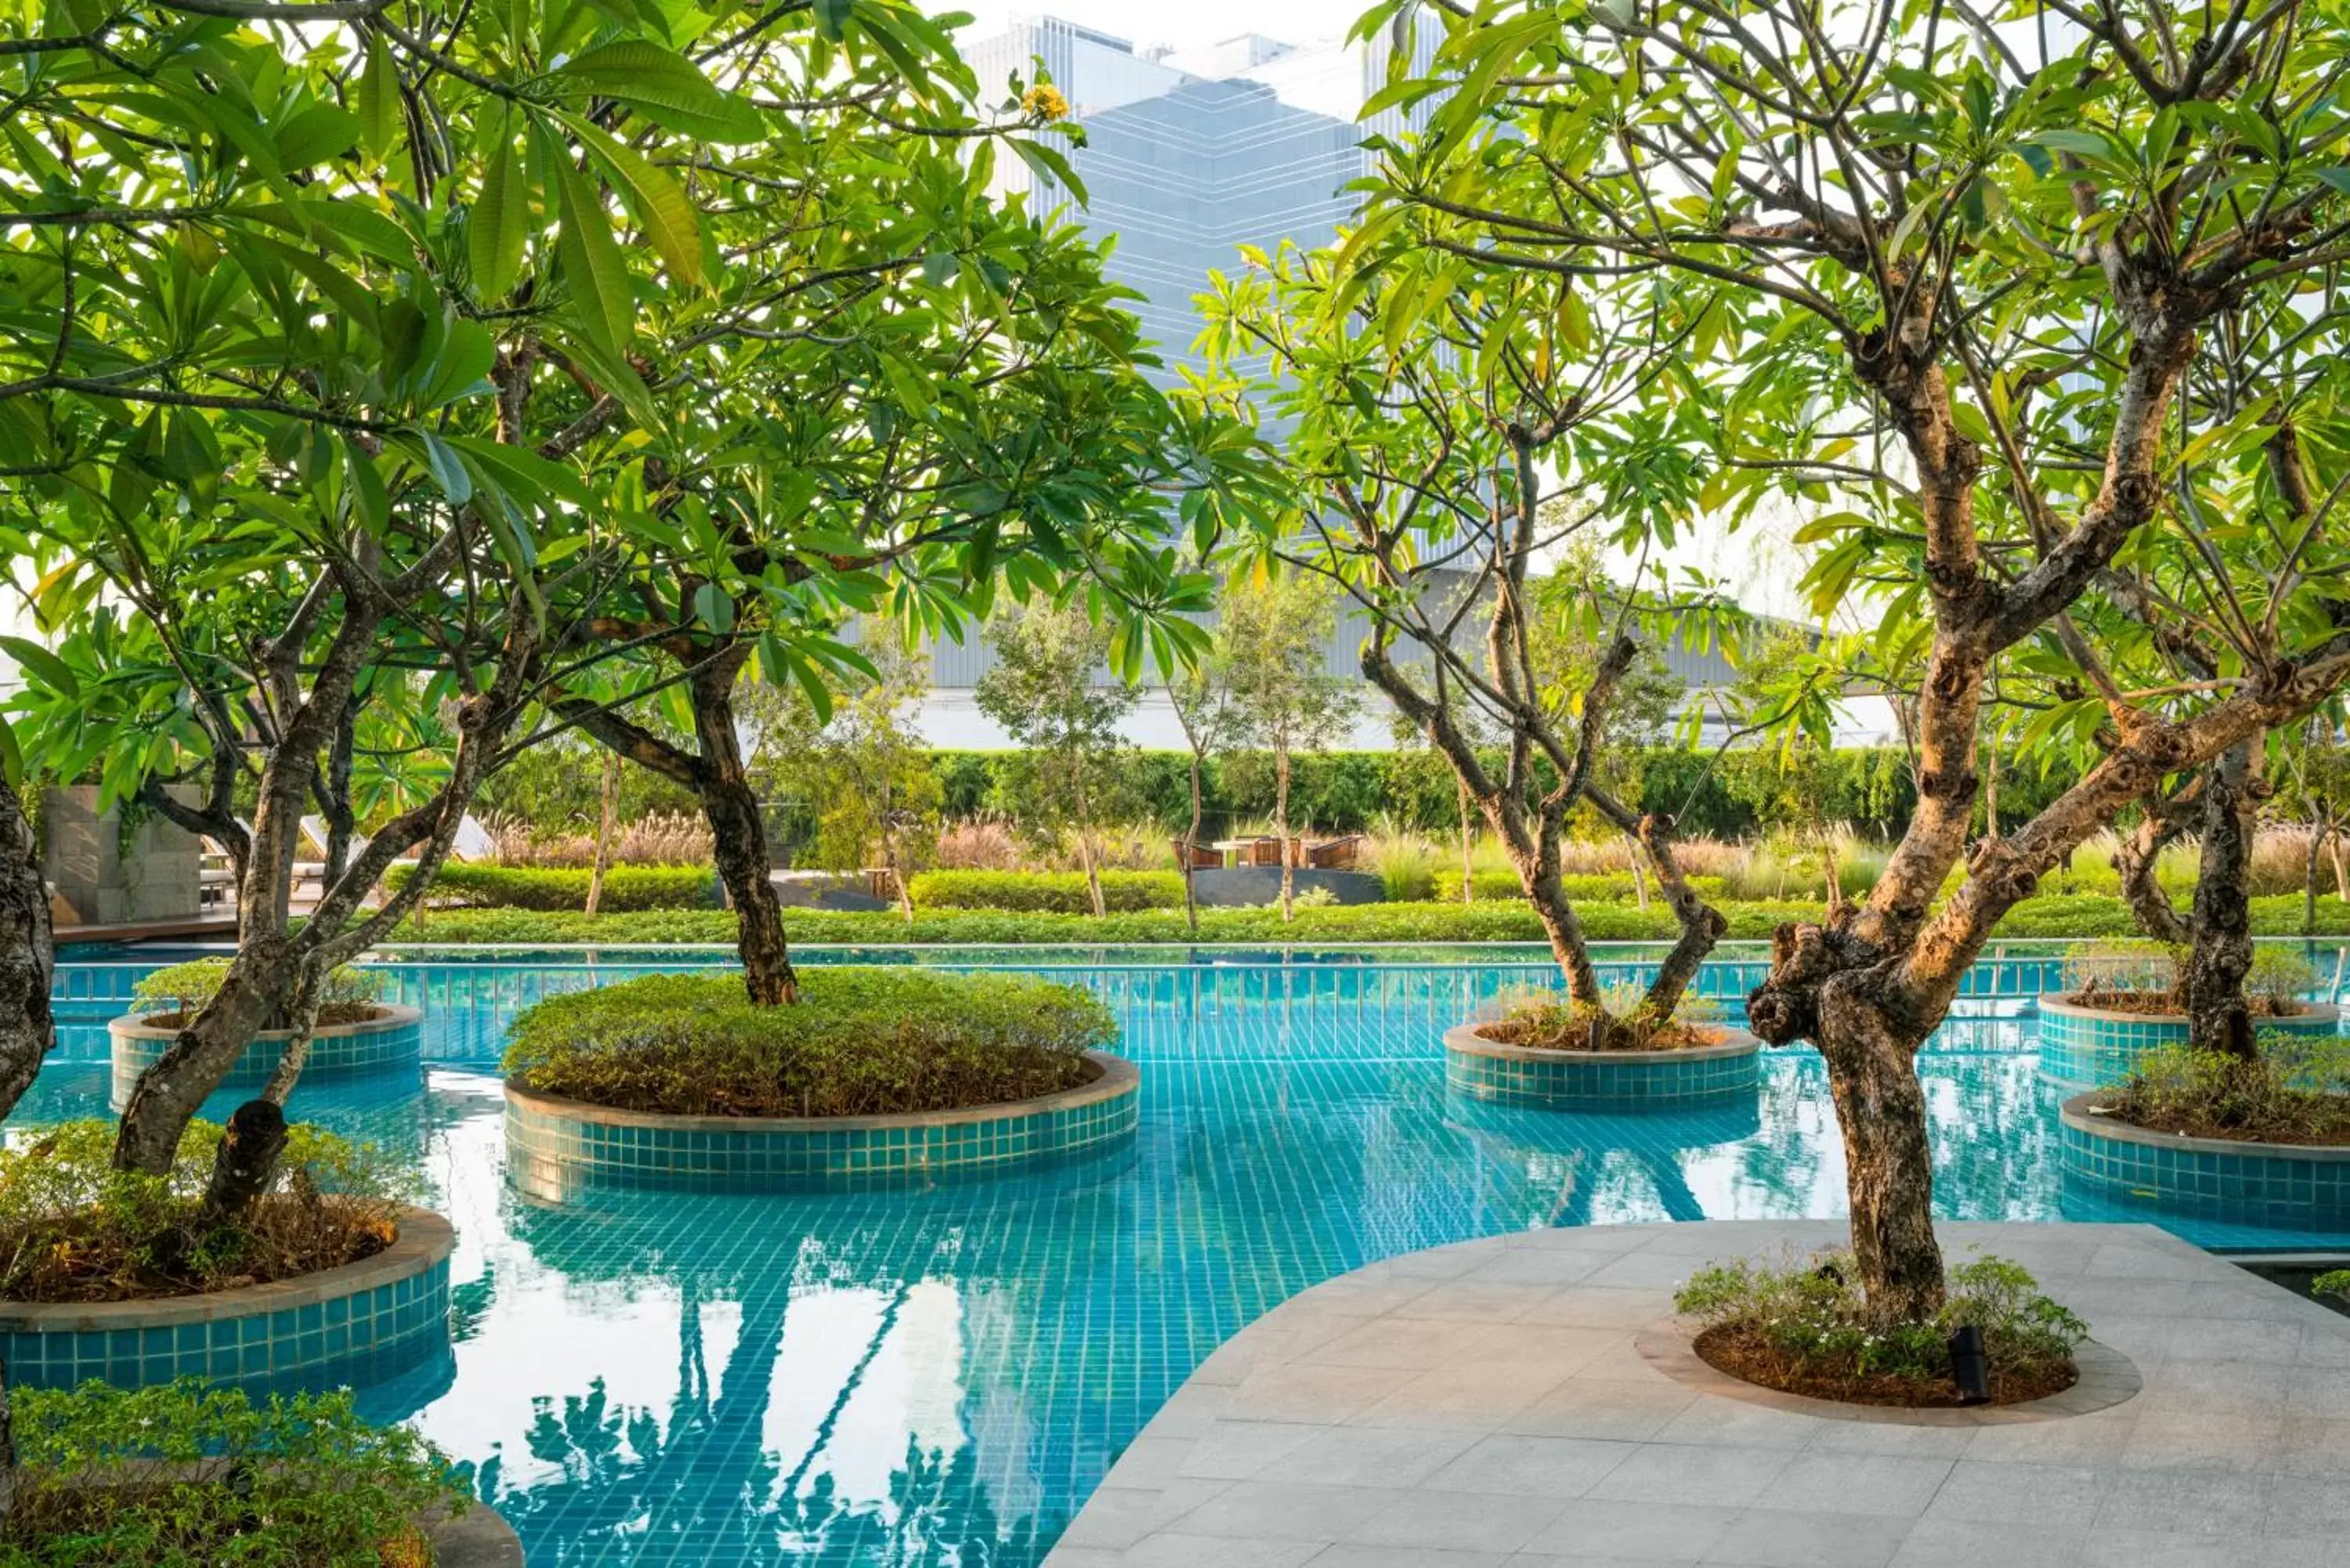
x,y
1486,1406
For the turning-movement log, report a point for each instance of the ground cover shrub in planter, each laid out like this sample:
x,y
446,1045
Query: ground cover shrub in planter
x,y
875,1074
355,1032
179,1477
2123,998
2259,1141
1539,1048
565,887
1053,892
1801,1326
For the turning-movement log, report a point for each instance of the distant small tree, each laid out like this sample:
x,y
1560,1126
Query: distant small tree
x,y
1270,648
1070,774
861,769
1203,709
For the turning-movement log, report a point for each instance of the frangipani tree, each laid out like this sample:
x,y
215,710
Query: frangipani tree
x,y
1988,275
1451,429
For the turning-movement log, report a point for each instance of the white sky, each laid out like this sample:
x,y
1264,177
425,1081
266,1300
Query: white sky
x,y
1185,26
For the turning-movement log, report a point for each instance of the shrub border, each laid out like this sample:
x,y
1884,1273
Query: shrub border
x,y
2110,1041
418,1258
1501,1073
555,1146
2107,1379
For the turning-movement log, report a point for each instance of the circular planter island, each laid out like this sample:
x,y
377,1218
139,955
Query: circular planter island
x,y
2284,1185
347,1326
392,1039
559,1147
2095,1046
1710,1075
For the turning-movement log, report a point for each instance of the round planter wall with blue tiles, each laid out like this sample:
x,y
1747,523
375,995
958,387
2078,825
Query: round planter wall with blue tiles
x,y
2280,1186
557,1148
348,1328
378,1044
1602,1080
2094,1047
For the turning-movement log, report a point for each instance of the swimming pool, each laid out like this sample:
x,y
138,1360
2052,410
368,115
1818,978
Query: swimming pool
x,y
940,1378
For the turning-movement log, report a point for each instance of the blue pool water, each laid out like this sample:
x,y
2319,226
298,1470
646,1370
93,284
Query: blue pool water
x,y
940,1378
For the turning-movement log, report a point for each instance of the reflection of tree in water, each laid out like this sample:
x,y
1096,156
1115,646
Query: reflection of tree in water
x,y
700,1483
1558,1168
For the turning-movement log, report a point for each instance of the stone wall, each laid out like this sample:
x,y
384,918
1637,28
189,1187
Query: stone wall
x,y
155,875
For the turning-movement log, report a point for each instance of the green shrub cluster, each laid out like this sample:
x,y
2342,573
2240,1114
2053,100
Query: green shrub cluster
x,y
2296,1089
74,1229
1810,1315
860,1042
185,1476
181,991
1582,887
625,887
1045,892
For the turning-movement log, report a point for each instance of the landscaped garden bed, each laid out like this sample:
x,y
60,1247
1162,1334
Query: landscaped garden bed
x,y
328,1277
2123,999
1803,1327
874,1075
2263,1141
181,1476
355,1032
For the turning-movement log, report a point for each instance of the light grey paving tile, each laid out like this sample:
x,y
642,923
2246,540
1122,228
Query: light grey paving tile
x,y
2121,1548
1476,1301
2306,1505
1368,1456
1592,1527
2307,1446
1354,1554
1935,1543
1777,1538
1120,1516
1531,1466
1412,1342
1277,1510
1890,1438
1888,1485
1468,1398
1169,1549
2320,1391
1600,1306
2060,1497
1239,1450
2220,1388
2132,1261
1546,1266
2186,1503
1658,1271
1459,1521
1736,1424
1592,1407
2099,1437
1150,1461
1322,1394
2179,1437
1453,1263
2242,1339
1190,1411
1542,1347
1533,1560
1693,1473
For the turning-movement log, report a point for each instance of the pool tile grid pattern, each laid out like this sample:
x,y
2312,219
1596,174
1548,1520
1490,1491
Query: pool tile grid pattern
x,y
556,1147
2244,1184
1487,1406
2090,1048
1655,1081
384,1045
352,1341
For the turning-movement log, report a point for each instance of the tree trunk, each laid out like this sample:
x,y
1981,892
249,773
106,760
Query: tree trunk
x,y
1191,842
1888,1161
606,803
2309,877
1086,859
27,955
2221,953
739,840
304,1024
1468,847
263,972
249,1147
1639,875
2335,849
1281,831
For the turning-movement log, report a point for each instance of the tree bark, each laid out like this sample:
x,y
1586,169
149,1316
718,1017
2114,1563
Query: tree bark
x,y
738,836
1468,847
2138,857
27,955
2222,952
604,803
1888,1163
249,1147
1281,830
1192,840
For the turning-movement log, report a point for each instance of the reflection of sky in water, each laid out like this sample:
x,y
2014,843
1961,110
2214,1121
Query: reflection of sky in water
x,y
939,1378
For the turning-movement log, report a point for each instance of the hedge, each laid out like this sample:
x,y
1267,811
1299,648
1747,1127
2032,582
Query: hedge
x,y
862,1042
1587,887
2078,916
554,888
1045,892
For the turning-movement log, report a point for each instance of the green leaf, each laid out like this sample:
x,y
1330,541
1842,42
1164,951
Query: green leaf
x,y
12,761
318,134
1047,164
591,264
379,99
46,667
665,86
658,201
501,221
832,18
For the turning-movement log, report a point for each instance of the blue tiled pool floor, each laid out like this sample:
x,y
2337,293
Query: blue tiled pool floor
x,y
940,1378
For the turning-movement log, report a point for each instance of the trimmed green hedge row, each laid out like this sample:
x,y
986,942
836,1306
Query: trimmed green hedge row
x,y
863,1041
2078,916
1045,892
556,888
1593,887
